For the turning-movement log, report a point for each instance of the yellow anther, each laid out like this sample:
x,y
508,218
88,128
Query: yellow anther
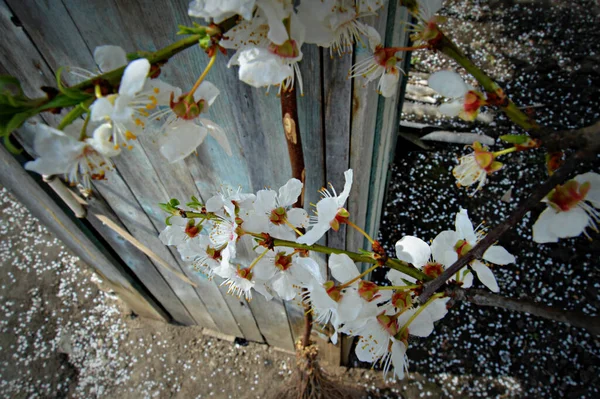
x,y
129,136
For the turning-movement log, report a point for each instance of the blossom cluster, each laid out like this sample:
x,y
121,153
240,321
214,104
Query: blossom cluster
x,y
214,238
269,39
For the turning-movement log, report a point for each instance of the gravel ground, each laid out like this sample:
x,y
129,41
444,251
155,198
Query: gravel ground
x,y
64,336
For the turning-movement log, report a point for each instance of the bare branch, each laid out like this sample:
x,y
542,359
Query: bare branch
x,y
492,237
526,305
587,138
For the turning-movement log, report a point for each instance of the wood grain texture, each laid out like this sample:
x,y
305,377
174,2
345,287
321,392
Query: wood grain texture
x,y
342,123
337,108
43,207
388,120
365,100
43,31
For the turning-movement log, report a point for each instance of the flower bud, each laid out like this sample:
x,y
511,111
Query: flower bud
x,y
186,108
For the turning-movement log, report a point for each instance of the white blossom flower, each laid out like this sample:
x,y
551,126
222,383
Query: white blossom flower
x,y
449,245
417,252
178,130
330,211
203,255
61,153
334,303
385,335
285,271
572,208
239,281
220,10
107,58
273,213
268,51
382,65
334,24
127,111
224,236
466,101
179,230
425,30
474,167
231,200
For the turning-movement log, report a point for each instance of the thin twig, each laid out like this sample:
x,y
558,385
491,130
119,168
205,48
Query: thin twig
x,y
291,128
485,298
493,236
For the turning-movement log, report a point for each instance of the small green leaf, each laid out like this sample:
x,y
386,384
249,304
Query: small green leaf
x,y
515,138
10,85
70,93
10,147
166,207
15,122
174,202
168,220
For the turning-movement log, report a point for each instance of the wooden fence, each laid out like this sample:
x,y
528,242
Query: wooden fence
x,y
343,125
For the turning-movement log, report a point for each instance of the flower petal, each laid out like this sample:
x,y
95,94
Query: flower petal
x,y
110,57
464,227
134,77
309,265
413,250
448,84
399,358
498,255
485,275
181,139
389,83
341,199
342,267
266,201
289,192
442,247
594,179
396,277
217,133
297,217
207,92
452,108
102,110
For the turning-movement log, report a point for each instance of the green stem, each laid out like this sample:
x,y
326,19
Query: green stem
x,y
446,46
114,76
71,117
83,133
418,312
399,287
395,264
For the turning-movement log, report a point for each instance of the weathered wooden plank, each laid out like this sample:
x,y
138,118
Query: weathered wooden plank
x,y
21,58
43,207
337,104
60,46
141,266
388,119
365,100
171,176
211,165
44,29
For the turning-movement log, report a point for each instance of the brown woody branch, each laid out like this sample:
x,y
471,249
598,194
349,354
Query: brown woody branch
x,y
291,128
494,235
526,305
587,138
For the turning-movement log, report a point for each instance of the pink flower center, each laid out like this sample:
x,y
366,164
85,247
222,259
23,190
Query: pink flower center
x,y
567,196
289,49
283,261
389,323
